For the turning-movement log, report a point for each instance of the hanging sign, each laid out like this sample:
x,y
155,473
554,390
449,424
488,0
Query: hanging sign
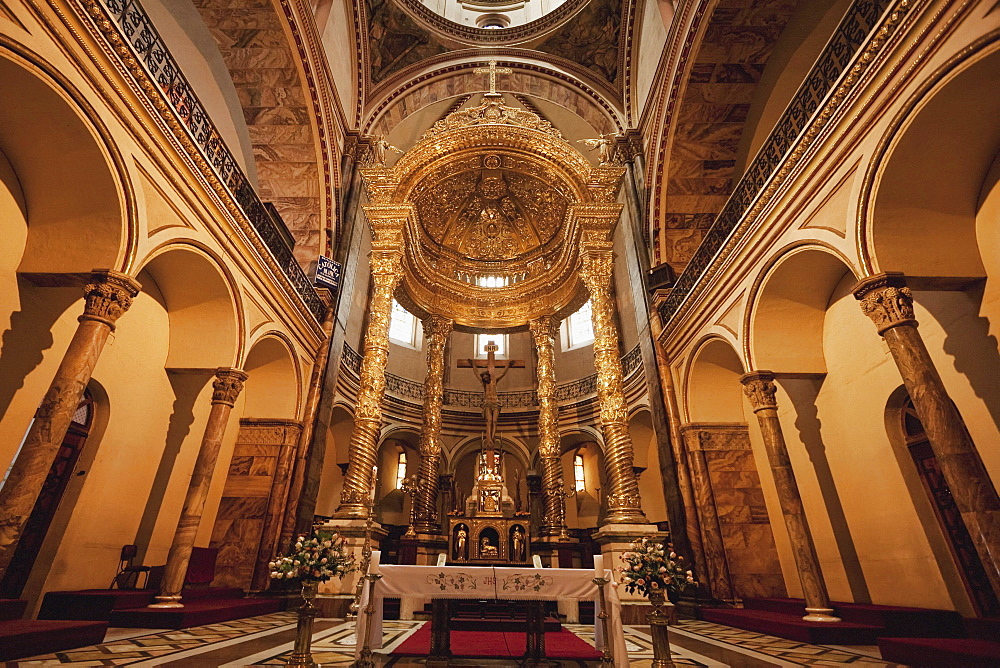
x,y
328,273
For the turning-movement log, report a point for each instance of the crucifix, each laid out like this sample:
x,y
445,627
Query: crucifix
x,y
487,375
493,71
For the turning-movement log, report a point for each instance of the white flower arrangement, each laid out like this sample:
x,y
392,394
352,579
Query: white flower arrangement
x,y
314,559
650,566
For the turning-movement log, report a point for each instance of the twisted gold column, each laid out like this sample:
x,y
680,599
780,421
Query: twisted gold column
x,y
624,504
543,331
436,331
385,265
107,298
760,389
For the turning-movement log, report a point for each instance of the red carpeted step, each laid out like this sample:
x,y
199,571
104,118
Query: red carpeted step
x,y
983,628
28,637
92,604
196,613
793,627
478,644
12,608
941,652
896,620
208,593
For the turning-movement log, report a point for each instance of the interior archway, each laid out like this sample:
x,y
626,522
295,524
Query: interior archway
x,y
272,387
714,392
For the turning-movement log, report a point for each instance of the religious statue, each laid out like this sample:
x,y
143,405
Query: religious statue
x,y
487,549
378,149
605,145
461,545
517,544
491,398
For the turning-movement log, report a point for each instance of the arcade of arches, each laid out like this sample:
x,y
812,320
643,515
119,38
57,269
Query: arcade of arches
x,y
782,218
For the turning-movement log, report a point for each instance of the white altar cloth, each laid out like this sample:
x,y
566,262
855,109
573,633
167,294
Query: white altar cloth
x,y
479,582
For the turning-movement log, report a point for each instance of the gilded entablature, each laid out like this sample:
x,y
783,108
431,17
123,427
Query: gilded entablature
x,y
495,204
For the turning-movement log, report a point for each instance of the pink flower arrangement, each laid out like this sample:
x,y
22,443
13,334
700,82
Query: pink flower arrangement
x,y
650,566
314,559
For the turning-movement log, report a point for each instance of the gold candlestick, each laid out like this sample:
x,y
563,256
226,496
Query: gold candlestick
x,y
606,657
658,630
366,660
301,656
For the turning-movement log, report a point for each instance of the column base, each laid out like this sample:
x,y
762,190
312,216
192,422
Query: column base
x,y
625,516
615,540
351,511
820,615
171,601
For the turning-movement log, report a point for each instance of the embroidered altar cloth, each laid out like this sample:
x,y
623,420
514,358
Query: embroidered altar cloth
x,y
480,583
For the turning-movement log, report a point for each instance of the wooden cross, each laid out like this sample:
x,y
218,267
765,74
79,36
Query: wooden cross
x,y
493,71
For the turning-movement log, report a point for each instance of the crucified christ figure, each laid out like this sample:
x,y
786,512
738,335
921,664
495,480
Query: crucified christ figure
x,y
491,399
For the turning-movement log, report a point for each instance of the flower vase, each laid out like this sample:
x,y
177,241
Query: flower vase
x,y
658,629
301,656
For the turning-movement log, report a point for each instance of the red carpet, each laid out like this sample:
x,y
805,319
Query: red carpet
x,y
559,645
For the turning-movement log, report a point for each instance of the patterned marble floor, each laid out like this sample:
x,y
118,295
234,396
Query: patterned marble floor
x,y
267,641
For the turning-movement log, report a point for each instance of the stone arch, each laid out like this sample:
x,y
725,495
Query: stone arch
x,y
453,81
391,503
586,508
51,143
921,193
273,387
202,304
713,392
794,289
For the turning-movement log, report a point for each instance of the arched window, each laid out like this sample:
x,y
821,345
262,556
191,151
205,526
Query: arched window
x,y
578,329
482,340
581,484
403,326
400,470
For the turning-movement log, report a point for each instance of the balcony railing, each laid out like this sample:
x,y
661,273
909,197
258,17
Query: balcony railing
x,y
847,40
129,24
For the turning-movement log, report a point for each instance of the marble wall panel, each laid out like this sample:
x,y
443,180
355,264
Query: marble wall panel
x,y
738,499
245,498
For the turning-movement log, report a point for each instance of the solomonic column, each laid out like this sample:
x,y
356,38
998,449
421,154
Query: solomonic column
x,y
436,331
108,296
888,302
543,331
226,389
354,500
624,505
760,389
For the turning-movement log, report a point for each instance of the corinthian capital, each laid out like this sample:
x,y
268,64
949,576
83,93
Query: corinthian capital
x,y
227,385
760,389
597,265
108,296
385,265
544,330
436,329
886,300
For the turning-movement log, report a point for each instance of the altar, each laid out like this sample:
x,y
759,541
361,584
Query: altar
x,y
478,582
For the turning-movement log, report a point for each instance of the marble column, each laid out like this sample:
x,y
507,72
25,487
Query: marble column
x,y
716,562
543,331
760,389
108,296
436,331
289,511
679,451
624,503
358,483
889,303
226,388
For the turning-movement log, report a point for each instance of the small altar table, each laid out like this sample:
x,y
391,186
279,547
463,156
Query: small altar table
x,y
528,584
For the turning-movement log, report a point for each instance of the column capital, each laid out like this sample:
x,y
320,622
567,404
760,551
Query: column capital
x,y
227,385
385,263
760,390
437,328
886,300
544,329
108,295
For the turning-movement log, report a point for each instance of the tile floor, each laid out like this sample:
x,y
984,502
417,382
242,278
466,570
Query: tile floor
x,y
268,639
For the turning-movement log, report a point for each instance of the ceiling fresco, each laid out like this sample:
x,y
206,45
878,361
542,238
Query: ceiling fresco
x,y
395,41
591,39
